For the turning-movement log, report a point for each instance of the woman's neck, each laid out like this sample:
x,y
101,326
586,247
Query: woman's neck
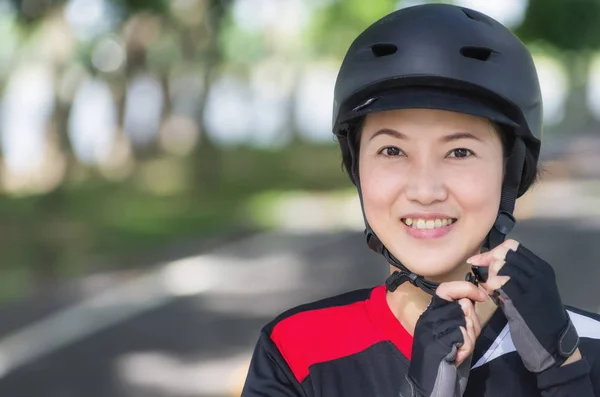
x,y
408,302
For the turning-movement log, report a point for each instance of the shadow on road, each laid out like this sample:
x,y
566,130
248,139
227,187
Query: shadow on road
x,y
195,344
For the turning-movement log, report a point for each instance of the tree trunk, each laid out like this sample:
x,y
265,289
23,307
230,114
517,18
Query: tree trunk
x,y
578,117
207,157
292,110
53,206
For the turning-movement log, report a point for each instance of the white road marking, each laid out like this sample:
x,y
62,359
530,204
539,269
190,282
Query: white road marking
x,y
258,264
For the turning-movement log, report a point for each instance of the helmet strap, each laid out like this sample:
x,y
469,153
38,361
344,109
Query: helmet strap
x,y
505,221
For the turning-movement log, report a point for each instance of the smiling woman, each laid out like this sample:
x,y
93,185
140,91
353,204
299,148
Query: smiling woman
x,y
438,113
422,165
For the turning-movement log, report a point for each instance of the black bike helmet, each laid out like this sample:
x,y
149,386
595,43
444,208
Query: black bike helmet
x,y
441,56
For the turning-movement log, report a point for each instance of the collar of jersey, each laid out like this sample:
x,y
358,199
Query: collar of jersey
x,y
384,320
382,317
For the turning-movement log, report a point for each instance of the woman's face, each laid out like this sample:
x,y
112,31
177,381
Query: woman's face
x,y
431,183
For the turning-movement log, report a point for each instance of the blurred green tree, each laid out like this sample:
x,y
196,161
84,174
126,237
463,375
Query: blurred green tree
x,y
572,28
336,25
46,253
200,37
203,41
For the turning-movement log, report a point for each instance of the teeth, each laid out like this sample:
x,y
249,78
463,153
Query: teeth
x,y
427,224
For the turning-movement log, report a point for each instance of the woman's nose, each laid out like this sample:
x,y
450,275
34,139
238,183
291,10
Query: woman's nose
x,y
425,184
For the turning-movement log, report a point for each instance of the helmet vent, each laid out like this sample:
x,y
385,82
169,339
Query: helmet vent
x,y
475,16
383,49
479,53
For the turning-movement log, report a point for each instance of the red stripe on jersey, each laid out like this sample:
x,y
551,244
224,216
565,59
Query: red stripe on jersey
x,y
383,318
322,335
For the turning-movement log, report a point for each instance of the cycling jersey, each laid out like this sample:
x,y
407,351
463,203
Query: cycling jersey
x,y
353,345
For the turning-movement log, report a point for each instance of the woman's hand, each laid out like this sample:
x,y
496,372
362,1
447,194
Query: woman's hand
x,y
444,340
524,286
465,294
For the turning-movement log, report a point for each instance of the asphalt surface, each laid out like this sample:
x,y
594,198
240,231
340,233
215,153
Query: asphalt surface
x,y
198,344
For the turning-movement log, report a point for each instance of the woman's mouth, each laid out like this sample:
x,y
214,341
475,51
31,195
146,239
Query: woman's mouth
x,y
428,228
427,224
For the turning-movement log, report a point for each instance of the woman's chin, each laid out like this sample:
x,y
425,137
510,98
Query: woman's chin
x,y
433,268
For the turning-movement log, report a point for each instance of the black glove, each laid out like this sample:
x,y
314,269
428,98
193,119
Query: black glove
x,y
539,324
432,370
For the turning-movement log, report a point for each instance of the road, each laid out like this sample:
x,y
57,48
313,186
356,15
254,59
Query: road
x,y
189,327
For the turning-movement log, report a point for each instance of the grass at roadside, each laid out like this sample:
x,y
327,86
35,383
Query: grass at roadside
x,y
89,225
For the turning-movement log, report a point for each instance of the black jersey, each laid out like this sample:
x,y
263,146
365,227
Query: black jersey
x,y
352,345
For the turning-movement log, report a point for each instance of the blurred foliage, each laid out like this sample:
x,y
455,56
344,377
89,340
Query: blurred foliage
x,y
567,25
92,223
32,11
337,25
241,48
572,29
106,225
130,7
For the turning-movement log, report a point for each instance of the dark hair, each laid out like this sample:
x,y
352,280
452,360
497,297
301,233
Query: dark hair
x,y
531,170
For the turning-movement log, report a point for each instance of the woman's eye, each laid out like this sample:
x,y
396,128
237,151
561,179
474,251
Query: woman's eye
x,y
460,153
391,151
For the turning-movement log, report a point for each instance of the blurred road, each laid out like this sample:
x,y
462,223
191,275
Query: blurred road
x,y
189,329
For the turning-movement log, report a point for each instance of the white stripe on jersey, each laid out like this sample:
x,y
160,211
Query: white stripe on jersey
x,y
501,345
586,328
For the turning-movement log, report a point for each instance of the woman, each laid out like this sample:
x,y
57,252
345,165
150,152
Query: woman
x,y
438,113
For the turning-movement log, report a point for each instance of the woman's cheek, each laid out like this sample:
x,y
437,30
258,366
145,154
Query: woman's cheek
x,y
475,188
381,188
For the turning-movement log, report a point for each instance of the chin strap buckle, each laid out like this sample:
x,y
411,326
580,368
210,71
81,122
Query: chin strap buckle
x,y
398,278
